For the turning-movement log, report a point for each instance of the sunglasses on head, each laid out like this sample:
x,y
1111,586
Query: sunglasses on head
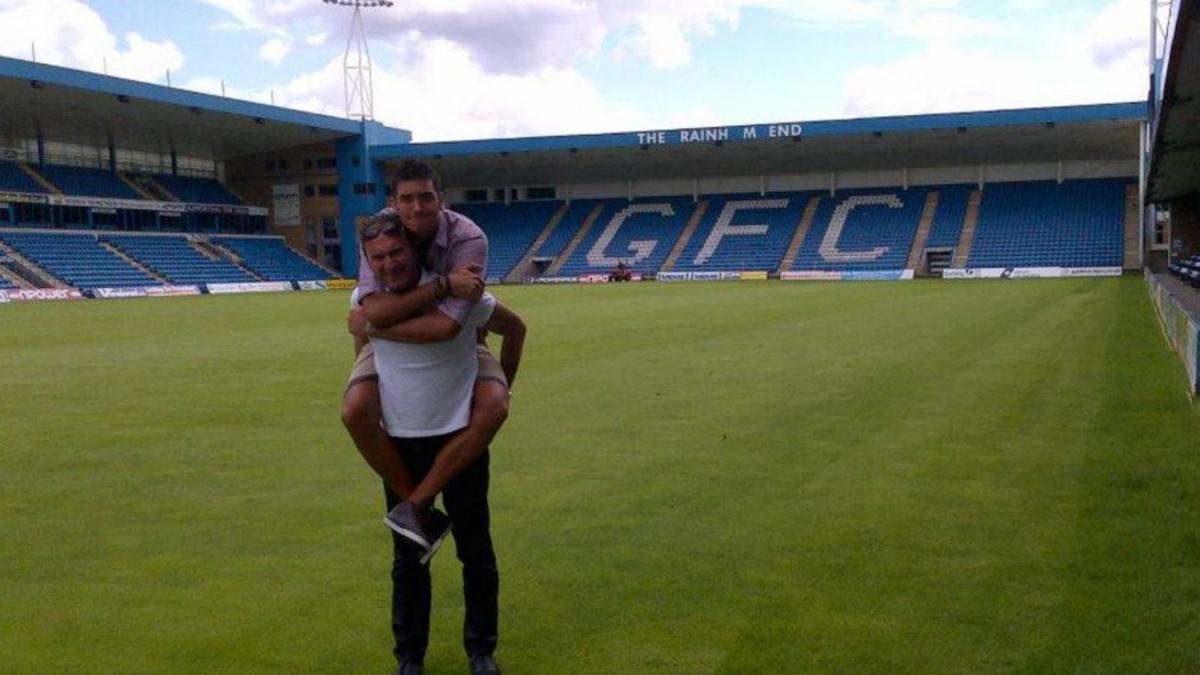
x,y
389,225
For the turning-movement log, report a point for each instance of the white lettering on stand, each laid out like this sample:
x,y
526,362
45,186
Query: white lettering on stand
x,y
829,250
723,228
641,248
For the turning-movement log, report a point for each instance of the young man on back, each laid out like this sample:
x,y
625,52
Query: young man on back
x,y
455,250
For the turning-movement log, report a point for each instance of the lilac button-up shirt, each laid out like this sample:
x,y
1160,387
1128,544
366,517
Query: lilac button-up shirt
x,y
457,243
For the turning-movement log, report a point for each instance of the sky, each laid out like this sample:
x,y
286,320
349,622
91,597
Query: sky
x,y
469,69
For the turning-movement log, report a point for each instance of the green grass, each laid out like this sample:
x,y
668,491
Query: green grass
x,y
925,477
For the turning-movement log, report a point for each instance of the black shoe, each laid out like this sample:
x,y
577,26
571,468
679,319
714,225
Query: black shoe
x,y
484,664
425,530
407,667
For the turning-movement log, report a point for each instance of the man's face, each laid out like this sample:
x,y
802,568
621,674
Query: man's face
x,y
419,206
392,260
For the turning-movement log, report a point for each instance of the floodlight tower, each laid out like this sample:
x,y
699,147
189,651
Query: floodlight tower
x,y
358,81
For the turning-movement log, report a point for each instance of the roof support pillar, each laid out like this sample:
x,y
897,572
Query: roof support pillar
x,y
832,183
41,148
174,162
1059,171
629,190
762,185
695,190
356,167
112,156
982,175
904,177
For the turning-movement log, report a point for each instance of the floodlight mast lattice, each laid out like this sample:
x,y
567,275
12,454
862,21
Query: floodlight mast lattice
x,y
358,80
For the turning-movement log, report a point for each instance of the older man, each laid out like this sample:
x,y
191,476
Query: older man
x,y
426,389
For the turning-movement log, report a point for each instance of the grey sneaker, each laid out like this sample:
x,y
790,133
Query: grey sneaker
x,y
425,530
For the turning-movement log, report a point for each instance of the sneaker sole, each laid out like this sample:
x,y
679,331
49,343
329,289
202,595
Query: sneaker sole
x,y
437,543
407,534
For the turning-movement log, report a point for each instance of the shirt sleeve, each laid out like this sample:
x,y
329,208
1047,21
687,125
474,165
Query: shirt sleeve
x,y
470,252
481,311
355,296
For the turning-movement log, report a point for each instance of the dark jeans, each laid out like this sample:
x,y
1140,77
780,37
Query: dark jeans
x,y
465,500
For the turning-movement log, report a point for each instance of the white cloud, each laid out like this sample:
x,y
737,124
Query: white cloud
x,y
69,33
274,50
316,40
1104,62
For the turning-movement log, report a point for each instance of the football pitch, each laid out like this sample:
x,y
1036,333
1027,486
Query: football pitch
x,y
768,477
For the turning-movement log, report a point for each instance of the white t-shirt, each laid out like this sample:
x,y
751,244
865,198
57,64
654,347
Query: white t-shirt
x,y
426,388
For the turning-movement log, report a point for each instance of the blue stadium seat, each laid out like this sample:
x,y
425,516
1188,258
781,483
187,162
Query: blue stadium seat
x,y
271,259
510,229
753,234
171,257
877,231
77,259
197,190
13,179
639,233
85,182
1044,224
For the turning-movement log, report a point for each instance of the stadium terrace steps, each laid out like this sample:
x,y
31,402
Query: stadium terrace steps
x,y
33,274
637,233
147,185
802,228
592,216
173,259
1132,226
87,182
10,279
130,260
917,255
865,230
510,229
966,240
19,177
686,236
743,232
197,190
524,267
76,258
133,185
270,258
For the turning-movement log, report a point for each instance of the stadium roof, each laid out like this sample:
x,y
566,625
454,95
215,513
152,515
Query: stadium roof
x,y
1175,164
1104,131
73,106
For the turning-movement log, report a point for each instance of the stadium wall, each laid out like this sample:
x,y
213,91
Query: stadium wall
x,y
991,173
312,171
1181,330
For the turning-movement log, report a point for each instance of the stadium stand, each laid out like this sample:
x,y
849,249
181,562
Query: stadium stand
x,y
1032,224
77,259
571,221
948,221
877,230
14,179
510,229
87,182
271,259
752,233
173,258
197,190
650,227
